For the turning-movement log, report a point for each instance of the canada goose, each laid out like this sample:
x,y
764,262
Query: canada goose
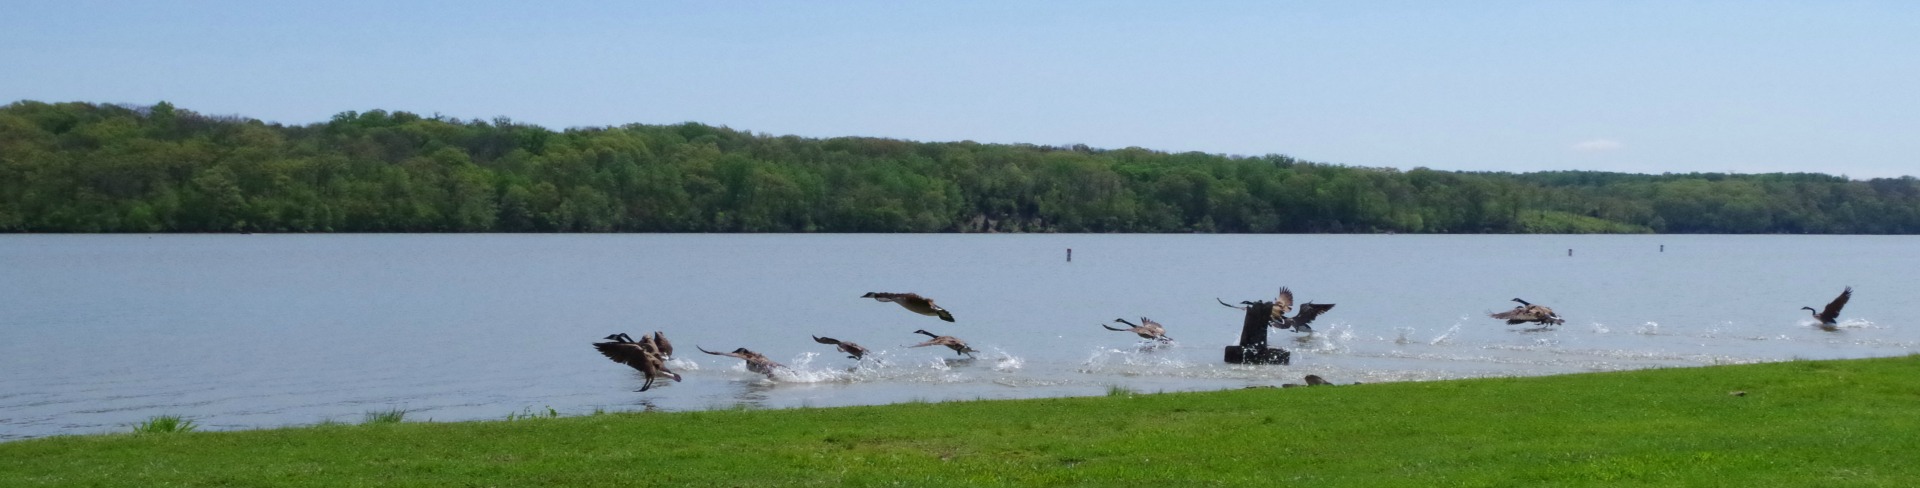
x,y
1830,316
1308,311
660,342
958,346
852,350
756,362
641,356
913,302
1527,312
657,341
1147,329
1282,303
1299,321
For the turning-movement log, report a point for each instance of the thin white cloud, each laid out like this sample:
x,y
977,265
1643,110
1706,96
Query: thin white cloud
x,y
1597,145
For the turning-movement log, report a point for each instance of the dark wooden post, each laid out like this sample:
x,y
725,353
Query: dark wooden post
x,y
1253,339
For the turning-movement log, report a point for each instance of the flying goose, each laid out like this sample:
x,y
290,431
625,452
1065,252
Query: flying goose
x,y
958,346
1829,317
1147,329
1282,303
756,362
1527,312
658,342
642,356
1308,311
852,350
913,302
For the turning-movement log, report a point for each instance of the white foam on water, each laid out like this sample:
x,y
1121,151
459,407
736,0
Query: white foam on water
x,y
1332,339
1649,328
801,370
1128,362
1857,324
1400,335
1445,337
679,364
1004,361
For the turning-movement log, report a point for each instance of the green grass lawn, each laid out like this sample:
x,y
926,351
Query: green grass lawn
x,y
1802,423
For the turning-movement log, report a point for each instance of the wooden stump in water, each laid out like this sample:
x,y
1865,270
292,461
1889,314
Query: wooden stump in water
x,y
1253,339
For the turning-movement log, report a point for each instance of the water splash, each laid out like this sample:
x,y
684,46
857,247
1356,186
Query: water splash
x,y
1129,362
1599,328
1649,328
1331,339
682,364
1445,337
801,370
1004,361
1402,333
1857,324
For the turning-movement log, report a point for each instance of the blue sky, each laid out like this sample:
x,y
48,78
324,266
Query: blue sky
x,y
1655,86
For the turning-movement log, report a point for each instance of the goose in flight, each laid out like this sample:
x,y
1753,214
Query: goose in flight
x,y
756,362
1527,312
912,302
852,350
641,356
1147,329
658,342
1829,317
1298,322
1283,303
958,346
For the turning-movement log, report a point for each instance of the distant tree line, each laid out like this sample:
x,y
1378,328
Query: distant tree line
x,y
81,167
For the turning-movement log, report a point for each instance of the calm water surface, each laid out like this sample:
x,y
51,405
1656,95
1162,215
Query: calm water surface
x,y
98,332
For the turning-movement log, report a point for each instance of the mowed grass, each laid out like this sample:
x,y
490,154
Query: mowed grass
x,y
1801,423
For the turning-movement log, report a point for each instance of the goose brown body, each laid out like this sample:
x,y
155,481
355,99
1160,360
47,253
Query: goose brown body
x,y
1283,303
1829,316
1528,312
643,356
1146,329
756,362
852,350
912,302
1308,311
958,346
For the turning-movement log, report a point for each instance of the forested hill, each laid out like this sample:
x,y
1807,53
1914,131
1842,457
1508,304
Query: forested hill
x,y
79,167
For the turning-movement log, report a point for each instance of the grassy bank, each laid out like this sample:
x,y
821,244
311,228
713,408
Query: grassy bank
x,y
1802,423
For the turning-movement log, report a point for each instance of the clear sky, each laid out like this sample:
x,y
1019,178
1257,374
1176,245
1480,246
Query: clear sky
x,y
1637,86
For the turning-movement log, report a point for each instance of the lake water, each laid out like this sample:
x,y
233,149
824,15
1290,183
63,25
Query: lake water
x,y
98,332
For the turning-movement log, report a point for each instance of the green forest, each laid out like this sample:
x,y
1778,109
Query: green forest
x,y
84,167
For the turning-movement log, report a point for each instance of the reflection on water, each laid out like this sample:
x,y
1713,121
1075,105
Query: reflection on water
x,y
101,332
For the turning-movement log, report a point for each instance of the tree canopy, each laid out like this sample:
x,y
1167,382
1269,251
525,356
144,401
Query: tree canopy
x,y
82,167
